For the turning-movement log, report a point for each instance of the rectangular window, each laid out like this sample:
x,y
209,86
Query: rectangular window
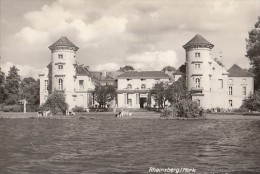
x,y
230,80
60,56
230,102
197,66
220,83
230,90
60,66
81,84
244,90
197,54
244,80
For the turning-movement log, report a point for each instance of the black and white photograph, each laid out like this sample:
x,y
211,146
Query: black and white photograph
x,y
129,86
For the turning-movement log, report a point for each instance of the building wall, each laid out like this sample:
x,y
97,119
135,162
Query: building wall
x,y
237,95
212,90
43,88
135,96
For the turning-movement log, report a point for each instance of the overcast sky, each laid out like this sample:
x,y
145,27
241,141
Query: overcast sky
x,y
145,34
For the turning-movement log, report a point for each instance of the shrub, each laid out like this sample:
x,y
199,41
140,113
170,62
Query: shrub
x,y
78,109
185,108
55,103
13,108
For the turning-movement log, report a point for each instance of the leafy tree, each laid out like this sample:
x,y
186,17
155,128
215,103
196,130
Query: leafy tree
x,y
160,93
252,102
253,51
168,68
2,86
104,94
55,103
126,68
178,91
12,86
30,90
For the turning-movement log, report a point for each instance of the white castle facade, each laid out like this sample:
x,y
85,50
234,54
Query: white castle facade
x,y
210,83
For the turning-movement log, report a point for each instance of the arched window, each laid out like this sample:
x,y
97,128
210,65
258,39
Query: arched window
x,y
60,84
143,86
197,83
129,86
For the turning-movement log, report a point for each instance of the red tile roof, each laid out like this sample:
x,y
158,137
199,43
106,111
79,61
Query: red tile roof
x,y
144,75
236,71
63,41
198,40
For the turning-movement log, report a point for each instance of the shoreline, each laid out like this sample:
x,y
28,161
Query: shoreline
x,y
99,115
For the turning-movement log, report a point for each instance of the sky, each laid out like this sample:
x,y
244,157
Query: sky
x,y
147,35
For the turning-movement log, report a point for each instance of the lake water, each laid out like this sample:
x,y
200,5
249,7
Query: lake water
x,y
110,145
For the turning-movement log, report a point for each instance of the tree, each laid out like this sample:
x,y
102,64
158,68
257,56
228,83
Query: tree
x,y
168,68
12,86
178,91
55,103
160,93
126,68
253,51
2,86
30,90
252,102
104,94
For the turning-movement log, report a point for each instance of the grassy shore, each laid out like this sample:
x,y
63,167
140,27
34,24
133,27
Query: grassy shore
x,y
93,115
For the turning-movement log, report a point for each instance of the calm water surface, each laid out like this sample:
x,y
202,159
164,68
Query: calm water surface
x,y
109,145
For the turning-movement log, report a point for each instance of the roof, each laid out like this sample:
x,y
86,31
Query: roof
x,y
63,41
198,40
180,71
236,71
144,75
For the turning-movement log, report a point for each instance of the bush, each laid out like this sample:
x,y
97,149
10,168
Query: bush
x,y
184,108
55,103
1,107
13,108
78,109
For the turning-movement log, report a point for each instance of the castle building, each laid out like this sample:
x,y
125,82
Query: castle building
x,y
134,87
67,76
211,85
209,82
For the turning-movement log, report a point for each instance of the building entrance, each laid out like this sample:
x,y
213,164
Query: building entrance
x,y
143,102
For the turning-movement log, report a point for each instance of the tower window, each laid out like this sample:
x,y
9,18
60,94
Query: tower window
x,y
244,90
230,102
197,66
60,56
197,83
197,54
45,84
60,66
143,86
60,84
230,90
129,86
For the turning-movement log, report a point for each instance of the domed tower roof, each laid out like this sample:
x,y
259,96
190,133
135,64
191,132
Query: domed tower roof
x,y
63,42
198,41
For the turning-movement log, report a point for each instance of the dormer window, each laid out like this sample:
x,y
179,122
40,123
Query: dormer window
x,y
197,54
60,56
143,86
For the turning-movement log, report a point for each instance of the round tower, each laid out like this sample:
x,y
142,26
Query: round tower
x,y
198,60
63,60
